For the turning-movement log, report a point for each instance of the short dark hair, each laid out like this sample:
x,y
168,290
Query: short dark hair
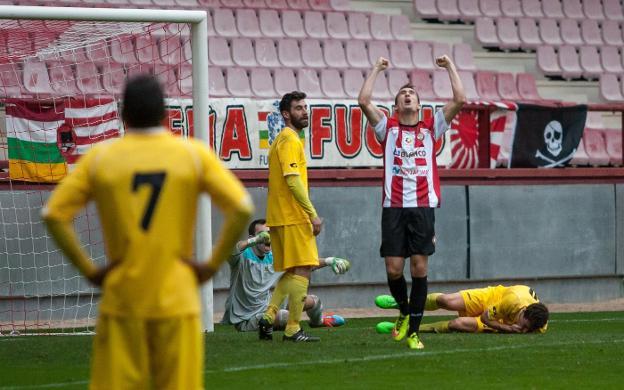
x,y
537,314
252,226
408,85
289,98
143,102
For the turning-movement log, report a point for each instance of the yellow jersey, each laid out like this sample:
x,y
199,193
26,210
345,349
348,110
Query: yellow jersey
x,y
507,302
146,188
286,157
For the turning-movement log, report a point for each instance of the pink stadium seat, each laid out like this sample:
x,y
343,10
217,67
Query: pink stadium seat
x,y
285,81
511,8
486,85
469,9
593,10
262,83
422,55
462,53
573,9
506,86
549,32
396,79
352,79
359,25
610,59
76,54
400,55
320,5
219,52
569,62
612,33
380,89
36,78
10,81
334,54
210,24
447,10
247,23
613,138
591,32
224,22
88,79
170,50
357,55
292,24
331,84
277,4
232,3
164,3
595,147
237,82
314,24
243,52
613,9
337,26
339,5
377,49
527,89
308,81
439,49
187,51
189,4
312,53
380,27
571,32
168,79
147,49
139,69
62,79
610,88
580,156
507,33
485,32
470,88
552,9
300,5
270,24
113,78
423,83
442,85
266,53
426,9
532,9
547,61
590,62
490,8
216,81
528,32
400,27
98,52
258,4
289,53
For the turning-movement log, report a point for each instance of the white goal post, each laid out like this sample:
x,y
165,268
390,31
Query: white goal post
x,y
197,20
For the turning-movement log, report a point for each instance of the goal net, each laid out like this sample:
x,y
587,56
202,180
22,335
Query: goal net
x,y
60,88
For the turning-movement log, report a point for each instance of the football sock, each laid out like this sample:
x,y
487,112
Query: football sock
x,y
398,289
279,294
431,303
280,319
297,291
315,313
418,296
435,327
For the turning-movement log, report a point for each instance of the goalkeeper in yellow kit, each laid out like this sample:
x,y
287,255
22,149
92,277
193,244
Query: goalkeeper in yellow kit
x,y
146,188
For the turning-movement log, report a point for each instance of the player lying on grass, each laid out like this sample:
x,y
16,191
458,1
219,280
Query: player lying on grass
x,y
253,276
514,309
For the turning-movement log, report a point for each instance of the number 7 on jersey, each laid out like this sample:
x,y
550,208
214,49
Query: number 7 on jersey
x,y
154,180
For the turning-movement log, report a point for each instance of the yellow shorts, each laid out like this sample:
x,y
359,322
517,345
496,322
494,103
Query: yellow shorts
x,y
293,246
132,353
477,300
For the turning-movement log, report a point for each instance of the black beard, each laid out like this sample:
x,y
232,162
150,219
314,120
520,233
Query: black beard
x,y
299,124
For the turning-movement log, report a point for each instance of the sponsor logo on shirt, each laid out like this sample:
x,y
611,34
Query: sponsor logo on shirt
x,y
409,172
418,152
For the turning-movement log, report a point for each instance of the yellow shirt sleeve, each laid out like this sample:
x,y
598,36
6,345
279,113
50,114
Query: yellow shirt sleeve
x,y
289,152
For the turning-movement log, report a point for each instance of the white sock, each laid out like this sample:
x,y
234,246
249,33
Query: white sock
x,y
315,313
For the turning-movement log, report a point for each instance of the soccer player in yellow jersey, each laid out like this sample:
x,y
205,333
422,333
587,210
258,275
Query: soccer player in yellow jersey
x,y
513,309
146,187
293,221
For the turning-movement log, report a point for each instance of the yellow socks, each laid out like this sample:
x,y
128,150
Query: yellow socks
x,y
279,294
297,287
430,303
435,327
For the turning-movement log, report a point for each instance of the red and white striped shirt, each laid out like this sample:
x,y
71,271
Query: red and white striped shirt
x,y
410,168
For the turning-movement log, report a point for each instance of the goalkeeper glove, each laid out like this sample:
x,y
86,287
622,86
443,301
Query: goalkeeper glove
x,y
338,265
260,238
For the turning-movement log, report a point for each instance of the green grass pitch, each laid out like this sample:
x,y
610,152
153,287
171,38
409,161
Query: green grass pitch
x,y
580,350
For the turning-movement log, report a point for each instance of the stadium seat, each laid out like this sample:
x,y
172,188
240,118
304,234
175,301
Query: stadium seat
x,y
485,32
593,10
569,62
113,78
511,8
400,55
300,5
122,50
339,5
266,53
357,55
462,54
506,86
62,79
337,27
610,59
331,84
187,51
243,52
191,4
237,82
426,9
547,61
380,89
528,32
490,8
224,22
447,10
262,83
590,31
308,81
377,49
353,80
613,9
380,27
219,52
469,10
232,3
486,85
422,55
573,9
36,78
289,53
168,79
292,24
590,62
277,4
396,79
527,89
258,4
359,27
312,53
270,24
438,49
610,88
320,5
552,9
247,23
549,32
10,80
612,33
88,79
595,147
314,25
423,83
210,24
170,49
532,9
580,156
442,85
285,81
75,55
507,33
470,87
570,32
334,54
613,139
400,28
164,3
147,49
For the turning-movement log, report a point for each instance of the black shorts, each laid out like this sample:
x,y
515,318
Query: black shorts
x,y
407,231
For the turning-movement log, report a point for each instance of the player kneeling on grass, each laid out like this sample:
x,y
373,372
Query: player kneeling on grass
x,y
514,309
252,276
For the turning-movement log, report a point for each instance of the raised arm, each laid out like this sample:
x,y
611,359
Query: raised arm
x,y
372,113
451,108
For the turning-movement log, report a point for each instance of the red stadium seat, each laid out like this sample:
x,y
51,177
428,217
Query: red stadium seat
x,y
423,83
552,9
314,24
591,32
359,25
266,53
247,23
353,80
422,55
470,88
285,81
485,32
312,53
613,9
243,52
447,10
224,22
88,79
570,32
486,85
262,83
506,86
528,32
462,54
308,81
331,84
377,49
380,27
400,55
337,26
610,89
219,52
62,79
547,61
612,33
469,9
613,139
507,33
511,8
549,32
527,89
292,24
532,9
426,9
357,55
270,24
237,82
289,53
572,9
400,27
36,78
442,85
595,147
569,62
490,8
42,39
334,54
610,59
590,62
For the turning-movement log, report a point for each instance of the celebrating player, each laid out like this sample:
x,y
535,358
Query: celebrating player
x,y
252,276
514,309
146,187
411,190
